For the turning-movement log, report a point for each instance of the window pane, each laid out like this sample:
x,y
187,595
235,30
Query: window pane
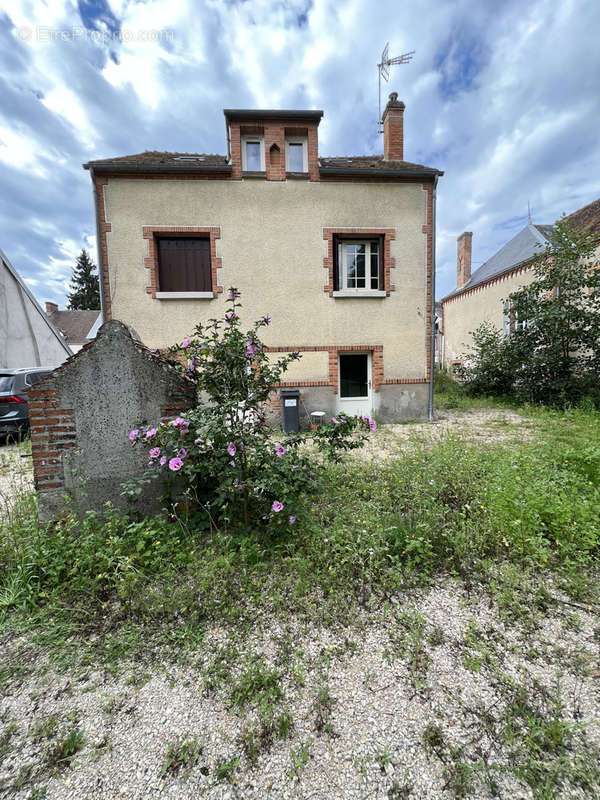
x,y
184,265
296,160
374,267
253,156
354,376
351,266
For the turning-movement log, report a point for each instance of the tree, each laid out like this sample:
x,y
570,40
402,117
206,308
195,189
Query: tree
x,y
85,285
552,354
556,347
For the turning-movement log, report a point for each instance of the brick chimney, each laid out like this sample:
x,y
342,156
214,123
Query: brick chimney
x,y
51,307
463,258
393,129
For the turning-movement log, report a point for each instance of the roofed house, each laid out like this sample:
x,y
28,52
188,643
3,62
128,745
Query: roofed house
x,y
27,337
77,327
482,296
339,251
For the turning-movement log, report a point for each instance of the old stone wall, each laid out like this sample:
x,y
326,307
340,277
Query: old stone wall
x,y
81,415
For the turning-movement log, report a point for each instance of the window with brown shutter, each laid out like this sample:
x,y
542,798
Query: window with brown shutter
x,y
184,264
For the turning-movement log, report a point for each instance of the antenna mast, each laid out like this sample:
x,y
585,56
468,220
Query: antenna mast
x,y
383,69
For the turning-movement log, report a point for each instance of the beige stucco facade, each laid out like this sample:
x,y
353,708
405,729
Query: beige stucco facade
x,y
272,248
465,312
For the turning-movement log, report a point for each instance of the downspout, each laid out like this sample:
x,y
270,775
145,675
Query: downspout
x,y
432,309
98,247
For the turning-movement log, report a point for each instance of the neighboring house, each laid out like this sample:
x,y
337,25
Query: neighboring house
x,y
439,334
27,337
338,251
77,327
483,296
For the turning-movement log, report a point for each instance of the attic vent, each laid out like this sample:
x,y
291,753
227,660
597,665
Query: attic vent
x,y
190,158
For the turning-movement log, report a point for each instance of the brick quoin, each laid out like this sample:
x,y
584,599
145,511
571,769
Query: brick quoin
x,y
52,431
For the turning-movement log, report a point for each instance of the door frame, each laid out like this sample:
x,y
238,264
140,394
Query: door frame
x,y
362,405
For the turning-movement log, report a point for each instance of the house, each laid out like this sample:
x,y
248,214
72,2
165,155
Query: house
x,y
27,337
77,327
483,295
338,251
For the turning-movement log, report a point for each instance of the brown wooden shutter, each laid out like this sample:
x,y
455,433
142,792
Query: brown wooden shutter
x,y
184,265
381,263
335,246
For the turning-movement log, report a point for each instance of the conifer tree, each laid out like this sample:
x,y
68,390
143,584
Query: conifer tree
x,y
85,285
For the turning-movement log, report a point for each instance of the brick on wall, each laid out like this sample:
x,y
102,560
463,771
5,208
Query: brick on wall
x,y
53,434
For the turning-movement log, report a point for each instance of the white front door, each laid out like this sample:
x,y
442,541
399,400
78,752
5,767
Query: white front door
x,y
354,389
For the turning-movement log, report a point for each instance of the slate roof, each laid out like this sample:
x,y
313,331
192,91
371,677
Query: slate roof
x,y
528,243
211,161
158,157
75,326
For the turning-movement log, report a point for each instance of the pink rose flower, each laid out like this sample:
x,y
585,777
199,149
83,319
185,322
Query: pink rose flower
x,y
231,449
175,464
163,461
186,343
150,433
155,452
182,453
280,450
277,506
292,520
133,434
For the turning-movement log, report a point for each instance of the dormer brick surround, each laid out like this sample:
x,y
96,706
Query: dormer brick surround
x,y
274,127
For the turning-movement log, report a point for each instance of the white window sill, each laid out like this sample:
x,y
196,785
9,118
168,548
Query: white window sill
x,y
184,295
359,293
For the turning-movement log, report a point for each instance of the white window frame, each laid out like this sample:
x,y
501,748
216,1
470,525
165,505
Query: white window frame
x,y
368,288
245,140
296,140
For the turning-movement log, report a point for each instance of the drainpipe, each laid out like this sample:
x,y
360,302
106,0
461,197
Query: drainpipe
x,y
432,309
98,248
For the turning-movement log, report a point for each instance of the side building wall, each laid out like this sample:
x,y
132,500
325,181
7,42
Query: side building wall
x,y
463,313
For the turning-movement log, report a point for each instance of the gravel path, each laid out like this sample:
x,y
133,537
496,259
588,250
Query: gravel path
x,y
16,475
373,736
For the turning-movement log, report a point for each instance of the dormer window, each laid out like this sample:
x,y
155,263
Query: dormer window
x,y
296,155
253,154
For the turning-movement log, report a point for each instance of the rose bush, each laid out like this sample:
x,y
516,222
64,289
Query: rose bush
x,y
222,452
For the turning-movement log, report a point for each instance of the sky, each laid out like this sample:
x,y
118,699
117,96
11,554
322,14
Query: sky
x,y
502,95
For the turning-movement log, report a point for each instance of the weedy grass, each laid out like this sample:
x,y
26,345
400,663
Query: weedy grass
x,y
519,520
181,756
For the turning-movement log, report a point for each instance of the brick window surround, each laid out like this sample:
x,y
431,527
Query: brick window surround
x,y
330,234
152,233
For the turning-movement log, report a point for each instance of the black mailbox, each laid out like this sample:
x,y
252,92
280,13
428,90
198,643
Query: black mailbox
x,y
290,409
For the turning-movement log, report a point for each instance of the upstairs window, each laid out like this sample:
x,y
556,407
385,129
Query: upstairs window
x,y
253,154
360,266
184,264
296,155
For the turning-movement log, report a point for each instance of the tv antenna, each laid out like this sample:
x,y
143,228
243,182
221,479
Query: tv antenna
x,y
383,69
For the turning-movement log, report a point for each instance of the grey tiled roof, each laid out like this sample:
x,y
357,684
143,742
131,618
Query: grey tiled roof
x,y
160,157
528,243
75,326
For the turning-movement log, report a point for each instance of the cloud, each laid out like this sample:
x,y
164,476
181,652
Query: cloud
x,y
503,97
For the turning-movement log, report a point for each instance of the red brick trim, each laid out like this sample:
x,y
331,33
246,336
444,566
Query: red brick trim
x,y
52,433
510,273
376,351
152,232
388,262
104,228
428,231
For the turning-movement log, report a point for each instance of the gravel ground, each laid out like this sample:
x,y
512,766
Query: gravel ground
x,y
379,709
16,475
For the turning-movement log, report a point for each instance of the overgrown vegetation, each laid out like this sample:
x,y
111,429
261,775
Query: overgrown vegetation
x,y
551,354
517,520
